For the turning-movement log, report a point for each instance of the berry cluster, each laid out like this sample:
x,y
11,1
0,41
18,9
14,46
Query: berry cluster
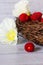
x,y
35,16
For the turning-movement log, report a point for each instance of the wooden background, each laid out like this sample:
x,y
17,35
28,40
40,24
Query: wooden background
x,y
16,55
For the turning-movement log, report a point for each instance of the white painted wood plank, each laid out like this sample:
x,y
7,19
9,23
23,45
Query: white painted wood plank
x,y
15,55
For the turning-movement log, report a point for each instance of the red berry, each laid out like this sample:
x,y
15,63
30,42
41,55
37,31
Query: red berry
x,y
33,17
29,47
41,19
24,17
36,16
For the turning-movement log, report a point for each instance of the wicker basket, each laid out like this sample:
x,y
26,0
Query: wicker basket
x,y
31,30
